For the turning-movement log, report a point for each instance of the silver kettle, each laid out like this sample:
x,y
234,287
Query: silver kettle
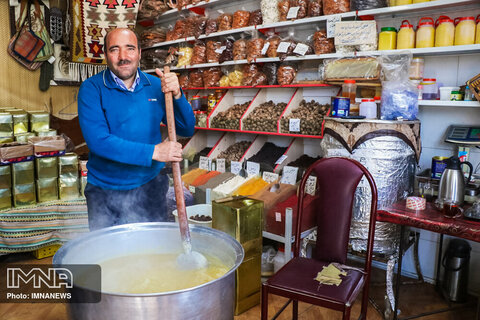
x,y
452,181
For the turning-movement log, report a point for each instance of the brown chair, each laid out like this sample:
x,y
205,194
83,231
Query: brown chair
x,y
337,180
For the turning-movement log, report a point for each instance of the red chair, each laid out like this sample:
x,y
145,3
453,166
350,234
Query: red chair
x,y
337,180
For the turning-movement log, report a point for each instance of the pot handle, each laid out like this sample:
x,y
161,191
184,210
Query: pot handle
x,y
471,170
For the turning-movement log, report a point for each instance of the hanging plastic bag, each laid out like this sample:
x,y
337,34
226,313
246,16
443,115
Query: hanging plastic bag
x,y
298,9
322,44
283,7
286,74
212,76
314,8
255,18
270,70
335,6
273,40
213,51
240,49
287,45
254,47
199,53
240,19
185,55
224,21
195,79
227,53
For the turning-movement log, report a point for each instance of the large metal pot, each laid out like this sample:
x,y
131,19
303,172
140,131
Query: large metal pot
x,y
212,300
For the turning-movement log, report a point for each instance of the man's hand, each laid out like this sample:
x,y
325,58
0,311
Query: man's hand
x,y
169,83
168,151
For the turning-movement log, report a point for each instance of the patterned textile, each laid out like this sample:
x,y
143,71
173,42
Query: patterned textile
x,y
92,19
33,227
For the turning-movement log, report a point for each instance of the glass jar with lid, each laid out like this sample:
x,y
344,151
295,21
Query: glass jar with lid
x,y
464,31
417,65
444,32
406,36
349,90
196,103
425,33
201,119
212,101
430,89
387,40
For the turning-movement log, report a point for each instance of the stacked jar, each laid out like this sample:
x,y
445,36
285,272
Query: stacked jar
x,y
464,31
387,40
425,33
406,36
444,32
477,38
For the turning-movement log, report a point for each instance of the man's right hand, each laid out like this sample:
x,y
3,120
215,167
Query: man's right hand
x,y
167,151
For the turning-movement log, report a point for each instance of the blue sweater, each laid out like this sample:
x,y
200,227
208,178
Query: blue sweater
x,y
121,129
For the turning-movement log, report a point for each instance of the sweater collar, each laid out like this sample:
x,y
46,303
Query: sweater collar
x,y
109,82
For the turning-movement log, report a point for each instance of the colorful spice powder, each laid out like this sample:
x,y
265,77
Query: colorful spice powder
x,y
190,176
201,180
250,187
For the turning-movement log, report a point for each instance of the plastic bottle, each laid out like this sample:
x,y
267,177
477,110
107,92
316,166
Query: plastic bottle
x,y
387,39
425,33
406,36
368,108
279,259
349,90
430,89
477,37
468,94
464,31
444,32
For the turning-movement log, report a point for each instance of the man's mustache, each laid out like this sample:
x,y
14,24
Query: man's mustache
x,y
122,62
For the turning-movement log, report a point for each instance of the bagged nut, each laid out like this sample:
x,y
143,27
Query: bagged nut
x,y
321,44
273,43
240,49
211,77
190,24
259,79
179,29
213,51
249,73
285,49
211,26
270,70
185,56
235,78
183,80
227,53
314,8
240,19
255,18
224,22
195,79
199,53
286,74
254,49
335,6
200,25
270,13
224,81
283,7
302,8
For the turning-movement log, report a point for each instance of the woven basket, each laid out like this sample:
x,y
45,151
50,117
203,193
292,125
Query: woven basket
x,y
474,85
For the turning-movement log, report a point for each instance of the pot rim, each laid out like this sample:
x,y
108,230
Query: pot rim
x,y
148,226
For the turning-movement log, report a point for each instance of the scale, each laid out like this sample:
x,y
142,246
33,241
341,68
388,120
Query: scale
x,y
463,135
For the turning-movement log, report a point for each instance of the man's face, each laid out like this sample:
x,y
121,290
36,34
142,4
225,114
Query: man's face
x,y
122,53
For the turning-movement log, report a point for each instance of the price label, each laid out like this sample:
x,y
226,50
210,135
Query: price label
x,y
235,167
351,33
311,185
289,175
265,48
220,50
283,47
281,159
269,176
191,189
331,25
278,217
294,125
293,12
253,168
301,49
204,163
221,165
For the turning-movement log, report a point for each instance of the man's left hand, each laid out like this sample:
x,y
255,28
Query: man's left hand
x,y
169,83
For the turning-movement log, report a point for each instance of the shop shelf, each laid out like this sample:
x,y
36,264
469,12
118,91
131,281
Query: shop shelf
x,y
294,85
453,104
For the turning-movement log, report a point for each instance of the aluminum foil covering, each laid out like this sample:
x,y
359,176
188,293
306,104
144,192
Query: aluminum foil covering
x,y
392,164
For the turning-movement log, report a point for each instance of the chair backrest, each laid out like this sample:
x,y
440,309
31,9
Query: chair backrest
x,y
337,180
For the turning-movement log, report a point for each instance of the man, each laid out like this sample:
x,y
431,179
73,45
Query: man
x,y
120,111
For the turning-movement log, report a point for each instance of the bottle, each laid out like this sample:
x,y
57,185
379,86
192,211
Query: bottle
x,y
406,36
425,33
464,31
387,39
444,32
368,108
420,92
349,90
212,101
218,94
468,94
279,259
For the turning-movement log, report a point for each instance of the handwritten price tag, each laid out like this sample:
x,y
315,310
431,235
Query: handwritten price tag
x,y
311,185
253,168
221,165
331,25
355,32
191,189
235,167
301,49
294,125
204,163
269,176
289,175
281,159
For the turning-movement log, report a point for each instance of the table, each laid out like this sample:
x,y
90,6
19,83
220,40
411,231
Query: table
x,y
429,219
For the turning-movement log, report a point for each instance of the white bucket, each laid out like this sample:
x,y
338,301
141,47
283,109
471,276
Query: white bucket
x,y
445,92
200,209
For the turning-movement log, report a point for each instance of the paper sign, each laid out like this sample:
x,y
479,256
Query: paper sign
x,y
191,189
221,165
301,49
289,175
281,159
351,33
278,217
204,163
269,176
235,167
294,125
283,47
220,50
311,185
331,25
292,12
253,168
265,48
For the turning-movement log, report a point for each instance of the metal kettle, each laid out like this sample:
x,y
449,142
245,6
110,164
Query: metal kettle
x,y
452,181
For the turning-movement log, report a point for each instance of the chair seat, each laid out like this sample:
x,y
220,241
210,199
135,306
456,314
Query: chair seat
x,y
299,275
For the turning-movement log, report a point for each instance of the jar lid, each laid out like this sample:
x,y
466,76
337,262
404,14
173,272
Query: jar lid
x,y
406,24
465,18
444,19
426,21
201,112
456,92
389,29
430,80
349,81
377,98
368,100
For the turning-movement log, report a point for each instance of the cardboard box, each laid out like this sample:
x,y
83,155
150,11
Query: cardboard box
x,y
47,144
15,152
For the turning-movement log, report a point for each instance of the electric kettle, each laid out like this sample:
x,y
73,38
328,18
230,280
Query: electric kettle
x,y
452,181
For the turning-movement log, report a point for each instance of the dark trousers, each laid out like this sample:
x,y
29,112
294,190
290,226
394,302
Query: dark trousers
x,y
146,203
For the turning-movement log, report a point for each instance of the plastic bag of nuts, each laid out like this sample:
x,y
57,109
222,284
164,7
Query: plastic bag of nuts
x,y
199,53
270,71
211,26
321,44
195,79
270,13
302,8
249,73
273,42
286,48
335,6
240,19
183,80
179,29
286,74
200,25
254,49
283,7
213,51
314,8
224,22
227,54
212,76
259,79
256,18
240,49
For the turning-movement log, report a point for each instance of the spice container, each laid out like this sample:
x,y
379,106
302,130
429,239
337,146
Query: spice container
x,y
368,108
444,32
430,89
416,68
477,38
349,90
456,96
406,36
464,31
201,119
425,33
196,103
387,40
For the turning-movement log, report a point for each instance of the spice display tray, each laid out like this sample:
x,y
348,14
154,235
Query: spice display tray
x,y
201,140
229,139
231,98
261,140
298,148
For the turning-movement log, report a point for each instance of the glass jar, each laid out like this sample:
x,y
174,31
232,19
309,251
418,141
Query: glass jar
x,y
196,103
425,33
201,119
430,89
417,65
212,101
444,32
477,38
406,36
349,90
387,40
218,94
464,31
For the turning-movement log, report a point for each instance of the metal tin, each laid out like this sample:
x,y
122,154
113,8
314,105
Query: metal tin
x,y
340,106
438,166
